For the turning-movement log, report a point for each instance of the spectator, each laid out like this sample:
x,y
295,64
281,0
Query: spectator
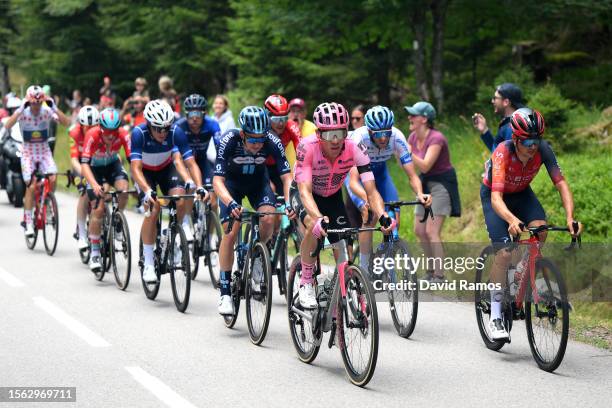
x,y
107,88
87,101
431,156
75,104
132,112
507,98
106,101
222,114
297,112
167,92
53,124
140,85
358,117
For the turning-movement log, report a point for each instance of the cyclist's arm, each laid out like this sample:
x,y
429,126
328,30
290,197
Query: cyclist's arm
x,y
138,176
221,191
500,208
354,188
12,119
89,176
180,166
63,119
374,199
305,189
194,171
413,177
286,179
76,165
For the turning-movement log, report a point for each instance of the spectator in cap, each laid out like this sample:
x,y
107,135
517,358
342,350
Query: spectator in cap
x,y
507,98
297,112
222,114
430,154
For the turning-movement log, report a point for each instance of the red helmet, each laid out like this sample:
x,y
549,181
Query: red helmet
x,y
297,102
277,105
328,116
527,123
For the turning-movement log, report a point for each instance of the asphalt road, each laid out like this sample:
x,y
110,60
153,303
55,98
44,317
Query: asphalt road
x,y
60,327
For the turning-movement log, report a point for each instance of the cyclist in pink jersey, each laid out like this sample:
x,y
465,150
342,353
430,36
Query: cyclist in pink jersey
x,y
322,163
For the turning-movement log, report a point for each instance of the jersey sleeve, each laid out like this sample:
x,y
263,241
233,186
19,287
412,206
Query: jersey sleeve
x,y
136,144
224,152
550,161
294,131
303,163
362,162
88,145
125,142
402,152
277,151
181,143
499,165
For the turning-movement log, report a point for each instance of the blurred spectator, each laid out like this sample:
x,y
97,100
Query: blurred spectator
x,y
222,114
4,110
167,92
141,89
75,104
297,112
53,124
132,112
357,117
107,88
87,101
106,102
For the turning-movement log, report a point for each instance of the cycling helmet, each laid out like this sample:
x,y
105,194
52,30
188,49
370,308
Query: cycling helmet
x,y
109,119
35,93
299,102
89,116
527,123
13,102
329,116
158,113
195,102
277,105
254,120
379,118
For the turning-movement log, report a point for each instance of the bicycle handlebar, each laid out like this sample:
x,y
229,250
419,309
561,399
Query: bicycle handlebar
x,y
576,240
397,204
248,213
343,233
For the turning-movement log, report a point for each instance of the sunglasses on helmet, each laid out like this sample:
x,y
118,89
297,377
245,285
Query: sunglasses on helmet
x,y
336,134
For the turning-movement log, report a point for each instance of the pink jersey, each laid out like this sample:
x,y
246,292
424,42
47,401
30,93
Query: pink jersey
x,y
327,177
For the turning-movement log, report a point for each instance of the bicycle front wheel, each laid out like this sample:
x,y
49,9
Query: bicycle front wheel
x,y
213,238
178,264
258,293
50,224
547,318
150,289
358,327
121,250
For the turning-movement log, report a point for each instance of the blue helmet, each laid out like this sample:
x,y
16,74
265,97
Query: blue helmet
x,y
379,118
195,102
254,120
110,119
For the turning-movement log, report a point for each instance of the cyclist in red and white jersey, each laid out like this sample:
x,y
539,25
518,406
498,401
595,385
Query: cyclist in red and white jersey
x,y
34,122
322,163
88,117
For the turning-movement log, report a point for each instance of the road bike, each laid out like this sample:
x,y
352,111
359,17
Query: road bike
x,y
171,252
80,183
252,280
206,240
537,294
346,308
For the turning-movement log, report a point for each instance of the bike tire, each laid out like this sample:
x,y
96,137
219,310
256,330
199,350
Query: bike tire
x,y
31,241
555,299
482,303
195,247
19,189
180,274
357,283
213,237
51,225
257,332
307,343
236,289
121,279
283,268
150,289
404,320
105,249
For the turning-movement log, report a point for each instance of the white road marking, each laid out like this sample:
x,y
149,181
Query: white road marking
x,y
10,279
159,389
71,323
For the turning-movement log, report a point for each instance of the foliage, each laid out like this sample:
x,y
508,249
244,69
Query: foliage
x,y
555,109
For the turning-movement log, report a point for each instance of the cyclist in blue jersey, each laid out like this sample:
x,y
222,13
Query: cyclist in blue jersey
x,y
240,170
200,131
382,141
161,156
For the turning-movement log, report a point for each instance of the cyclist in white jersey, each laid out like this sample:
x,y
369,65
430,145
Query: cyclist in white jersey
x,y
34,122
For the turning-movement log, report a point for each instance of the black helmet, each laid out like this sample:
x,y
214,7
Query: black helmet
x,y
195,102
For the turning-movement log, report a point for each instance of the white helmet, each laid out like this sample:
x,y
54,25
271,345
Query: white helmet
x,y
158,113
89,116
13,102
35,93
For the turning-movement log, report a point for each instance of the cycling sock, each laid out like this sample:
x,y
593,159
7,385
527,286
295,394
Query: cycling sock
x,y
307,270
496,297
82,228
224,281
147,251
28,216
364,260
95,244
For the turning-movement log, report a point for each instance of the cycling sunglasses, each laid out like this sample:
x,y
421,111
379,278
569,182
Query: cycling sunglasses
x,y
530,142
161,129
194,114
279,119
255,139
380,133
331,135
357,118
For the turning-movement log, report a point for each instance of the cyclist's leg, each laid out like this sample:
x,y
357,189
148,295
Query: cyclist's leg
x,y
263,199
47,164
27,170
148,231
120,182
333,208
276,185
531,211
171,183
96,217
226,246
82,202
309,242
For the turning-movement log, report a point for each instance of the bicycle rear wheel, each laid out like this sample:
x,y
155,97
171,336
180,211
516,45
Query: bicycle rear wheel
x,y
105,249
306,341
178,264
121,250
404,304
547,320
258,293
236,290
195,246
283,268
31,241
150,289
211,255
358,336
50,223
